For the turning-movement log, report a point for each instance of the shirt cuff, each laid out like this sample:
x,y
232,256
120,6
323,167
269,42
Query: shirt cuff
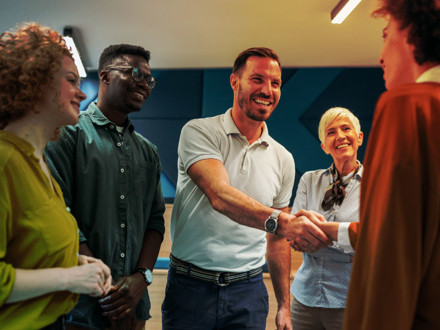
x,y
344,238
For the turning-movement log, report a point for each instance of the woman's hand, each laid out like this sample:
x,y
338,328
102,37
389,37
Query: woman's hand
x,y
91,277
329,228
83,259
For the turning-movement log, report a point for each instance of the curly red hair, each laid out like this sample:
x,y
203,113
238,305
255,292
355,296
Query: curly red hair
x,y
29,59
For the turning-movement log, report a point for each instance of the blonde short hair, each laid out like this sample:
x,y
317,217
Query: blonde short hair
x,y
331,114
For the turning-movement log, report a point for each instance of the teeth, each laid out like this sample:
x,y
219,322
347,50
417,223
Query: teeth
x,y
342,146
141,95
263,102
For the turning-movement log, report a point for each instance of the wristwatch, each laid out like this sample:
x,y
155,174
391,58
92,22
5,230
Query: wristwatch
x,y
271,223
148,275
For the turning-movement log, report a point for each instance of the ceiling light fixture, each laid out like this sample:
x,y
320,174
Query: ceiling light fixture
x,y
68,37
342,10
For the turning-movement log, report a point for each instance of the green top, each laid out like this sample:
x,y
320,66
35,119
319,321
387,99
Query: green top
x,y
36,231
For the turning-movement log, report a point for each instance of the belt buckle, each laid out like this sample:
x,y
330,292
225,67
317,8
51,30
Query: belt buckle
x,y
226,279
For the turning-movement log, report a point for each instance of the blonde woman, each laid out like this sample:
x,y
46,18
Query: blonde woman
x,y
321,283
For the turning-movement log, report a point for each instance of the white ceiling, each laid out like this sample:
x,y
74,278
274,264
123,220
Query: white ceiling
x,y
210,33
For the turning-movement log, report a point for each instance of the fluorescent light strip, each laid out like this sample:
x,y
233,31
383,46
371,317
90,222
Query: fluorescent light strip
x,y
71,45
344,11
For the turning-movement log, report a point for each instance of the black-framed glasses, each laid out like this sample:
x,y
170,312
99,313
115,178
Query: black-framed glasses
x,y
136,74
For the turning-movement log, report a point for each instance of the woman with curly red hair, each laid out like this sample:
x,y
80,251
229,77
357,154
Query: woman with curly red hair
x,y
40,270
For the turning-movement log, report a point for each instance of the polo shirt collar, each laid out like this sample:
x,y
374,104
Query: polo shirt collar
x,y
231,128
99,119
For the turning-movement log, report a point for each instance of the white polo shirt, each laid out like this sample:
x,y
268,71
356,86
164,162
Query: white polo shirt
x,y
264,171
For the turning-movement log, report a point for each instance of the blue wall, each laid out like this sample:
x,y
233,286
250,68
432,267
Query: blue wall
x,y
181,95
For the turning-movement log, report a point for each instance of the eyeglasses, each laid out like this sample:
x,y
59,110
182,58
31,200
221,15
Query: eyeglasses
x,y
136,74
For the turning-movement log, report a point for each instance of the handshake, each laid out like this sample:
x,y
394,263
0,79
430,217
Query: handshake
x,y
307,231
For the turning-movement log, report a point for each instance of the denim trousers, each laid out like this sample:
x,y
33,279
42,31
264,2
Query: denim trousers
x,y
200,305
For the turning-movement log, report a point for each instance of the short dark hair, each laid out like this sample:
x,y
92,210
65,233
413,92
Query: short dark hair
x,y
118,51
242,58
422,17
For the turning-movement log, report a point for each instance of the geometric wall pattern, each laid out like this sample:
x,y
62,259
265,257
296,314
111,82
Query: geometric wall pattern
x,y
184,94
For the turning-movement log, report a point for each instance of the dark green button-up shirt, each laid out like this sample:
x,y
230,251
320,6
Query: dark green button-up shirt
x,y
111,182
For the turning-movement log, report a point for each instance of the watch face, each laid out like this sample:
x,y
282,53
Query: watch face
x,y
271,224
149,276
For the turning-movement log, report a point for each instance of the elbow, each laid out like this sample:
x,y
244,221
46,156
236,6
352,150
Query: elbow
x,y
217,204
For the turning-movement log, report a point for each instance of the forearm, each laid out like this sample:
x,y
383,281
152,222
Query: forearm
x,y
211,177
241,208
278,260
330,229
150,249
37,282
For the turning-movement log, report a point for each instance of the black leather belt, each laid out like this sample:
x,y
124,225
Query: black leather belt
x,y
219,278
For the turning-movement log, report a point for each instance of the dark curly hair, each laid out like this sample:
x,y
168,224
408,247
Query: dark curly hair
x,y
423,19
241,59
112,52
29,59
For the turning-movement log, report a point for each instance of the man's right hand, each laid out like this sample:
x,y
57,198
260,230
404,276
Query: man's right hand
x,y
329,228
302,232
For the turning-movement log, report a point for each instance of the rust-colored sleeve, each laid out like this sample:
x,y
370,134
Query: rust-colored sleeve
x,y
394,280
353,232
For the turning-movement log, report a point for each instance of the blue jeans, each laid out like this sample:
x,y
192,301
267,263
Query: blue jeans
x,y
199,305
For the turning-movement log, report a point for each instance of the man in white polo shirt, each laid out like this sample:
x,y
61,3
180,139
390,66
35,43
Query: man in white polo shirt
x,y
234,185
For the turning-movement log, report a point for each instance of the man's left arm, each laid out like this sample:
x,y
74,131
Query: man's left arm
x,y
278,261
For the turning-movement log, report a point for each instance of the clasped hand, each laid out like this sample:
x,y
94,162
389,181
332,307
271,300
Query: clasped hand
x,y
120,304
303,232
91,277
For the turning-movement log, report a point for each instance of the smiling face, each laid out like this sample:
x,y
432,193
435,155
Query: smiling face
x,y
257,88
342,141
396,57
63,97
123,93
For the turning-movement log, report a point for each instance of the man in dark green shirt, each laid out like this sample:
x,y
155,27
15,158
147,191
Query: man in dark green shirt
x,y
110,177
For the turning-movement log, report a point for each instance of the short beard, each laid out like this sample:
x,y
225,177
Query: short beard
x,y
248,110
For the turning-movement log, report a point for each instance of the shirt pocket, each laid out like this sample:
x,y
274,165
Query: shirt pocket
x,y
57,227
